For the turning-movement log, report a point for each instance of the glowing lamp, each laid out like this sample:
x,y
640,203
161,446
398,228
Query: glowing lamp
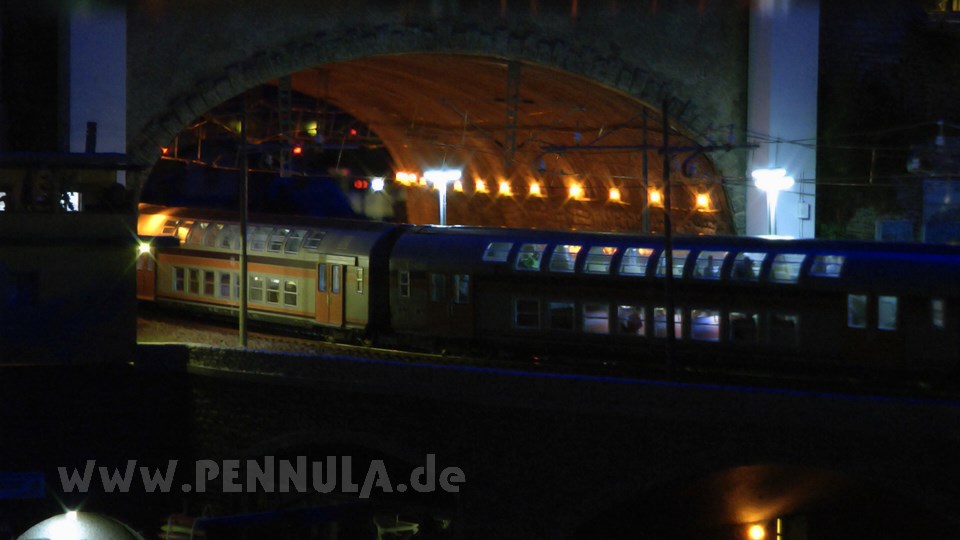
x,y
703,201
297,150
377,183
756,532
311,129
164,150
458,186
143,249
440,178
535,190
772,182
615,194
575,190
480,186
656,198
405,177
505,188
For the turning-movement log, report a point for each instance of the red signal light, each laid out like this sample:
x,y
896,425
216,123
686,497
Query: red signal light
x,y
297,150
353,132
361,183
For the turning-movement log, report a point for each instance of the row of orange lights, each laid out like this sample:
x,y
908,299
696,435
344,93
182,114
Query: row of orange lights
x,y
575,190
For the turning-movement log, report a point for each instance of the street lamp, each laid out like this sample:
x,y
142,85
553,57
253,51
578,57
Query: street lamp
x,y
772,182
440,178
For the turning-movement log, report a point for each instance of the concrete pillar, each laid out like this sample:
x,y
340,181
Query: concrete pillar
x,y
782,94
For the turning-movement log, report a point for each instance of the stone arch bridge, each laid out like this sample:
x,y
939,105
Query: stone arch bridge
x,y
487,85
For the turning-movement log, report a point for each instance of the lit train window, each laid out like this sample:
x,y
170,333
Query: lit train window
x,y
937,310
294,241
257,237
210,239
256,289
887,312
635,261
708,264
564,258
786,267
169,228
527,313
598,260
224,290
276,240
530,256
273,291
827,266
461,288
746,266
322,277
404,279
178,279
596,318
209,282
679,259
336,272
194,281
497,252
195,235
631,320
183,229
744,327
290,293
229,237
312,242
660,323
705,324
857,310
560,315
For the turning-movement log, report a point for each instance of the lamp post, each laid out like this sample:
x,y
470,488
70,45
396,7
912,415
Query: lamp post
x,y
440,178
772,182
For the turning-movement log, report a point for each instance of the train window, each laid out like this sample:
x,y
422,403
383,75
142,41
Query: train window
x,y
660,323
3,201
786,267
705,324
273,291
225,279
403,277
312,242
564,258
598,260
257,237
183,229
178,279
209,282
560,315
140,262
235,278
527,313
635,261
196,232
827,266
194,281
359,280
438,285
784,329
708,264
631,320
256,289
229,237
744,327
294,241
529,256
170,227
596,318
497,252
213,231
746,266
461,288
857,310
937,309
277,239
679,258
290,293
322,277
887,312
336,273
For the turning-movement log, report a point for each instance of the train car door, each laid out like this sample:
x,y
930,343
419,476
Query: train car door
x,y
146,276
329,295
451,305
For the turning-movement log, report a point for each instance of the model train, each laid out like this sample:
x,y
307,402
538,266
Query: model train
x,y
778,304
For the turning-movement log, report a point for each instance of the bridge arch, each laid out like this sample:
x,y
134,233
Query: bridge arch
x,y
698,104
